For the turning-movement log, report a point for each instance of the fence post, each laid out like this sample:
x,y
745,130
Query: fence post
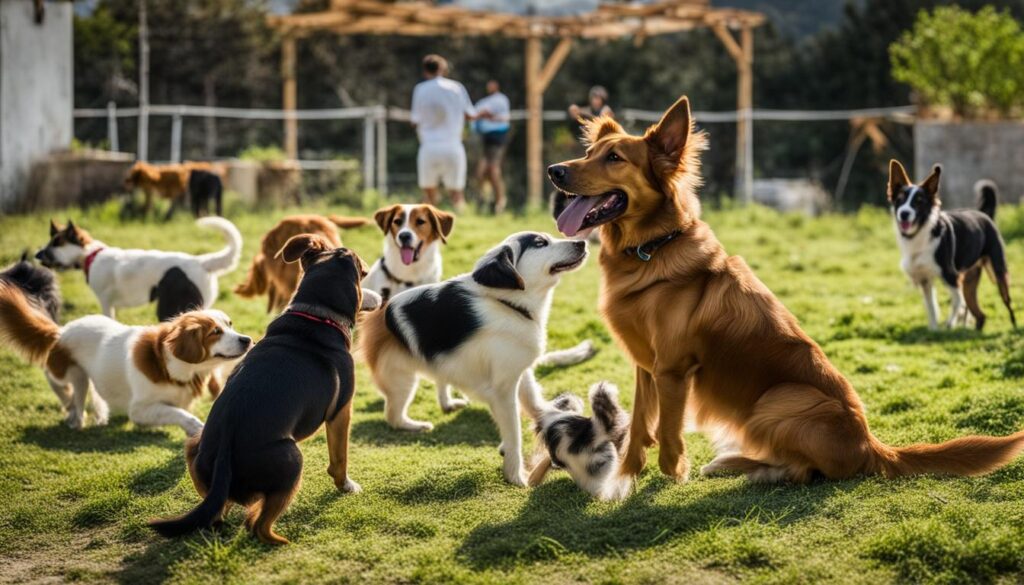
x,y
113,143
176,137
369,150
382,150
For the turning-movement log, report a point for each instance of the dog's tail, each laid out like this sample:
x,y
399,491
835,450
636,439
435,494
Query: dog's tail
x,y
987,195
579,353
226,259
25,328
999,270
604,402
255,282
207,512
347,222
973,455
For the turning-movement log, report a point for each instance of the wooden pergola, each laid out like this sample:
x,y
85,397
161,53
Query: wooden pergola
x,y
609,21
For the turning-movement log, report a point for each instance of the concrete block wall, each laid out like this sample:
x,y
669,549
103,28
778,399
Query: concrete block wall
x,y
36,91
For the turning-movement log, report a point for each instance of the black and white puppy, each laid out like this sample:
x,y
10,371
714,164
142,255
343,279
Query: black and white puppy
x,y
481,332
588,448
951,245
38,284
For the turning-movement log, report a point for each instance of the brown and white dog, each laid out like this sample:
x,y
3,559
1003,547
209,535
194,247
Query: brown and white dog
x,y
270,274
413,235
708,337
152,374
169,182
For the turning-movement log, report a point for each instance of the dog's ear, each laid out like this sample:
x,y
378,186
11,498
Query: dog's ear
x,y
670,134
498,270
595,129
385,216
186,341
442,222
898,179
299,246
931,183
54,228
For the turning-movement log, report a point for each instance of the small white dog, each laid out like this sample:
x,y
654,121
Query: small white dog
x,y
152,374
126,278
413,235
481,332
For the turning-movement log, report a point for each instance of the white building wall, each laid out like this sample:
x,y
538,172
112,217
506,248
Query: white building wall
x,y
36,90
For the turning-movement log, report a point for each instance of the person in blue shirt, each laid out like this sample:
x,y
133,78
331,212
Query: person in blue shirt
x,y
493,126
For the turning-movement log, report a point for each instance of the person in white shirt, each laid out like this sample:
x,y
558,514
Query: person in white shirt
x,y
493,127
440,108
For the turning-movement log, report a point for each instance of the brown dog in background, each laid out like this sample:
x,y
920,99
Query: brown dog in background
x,y
276,278
168,182
708,337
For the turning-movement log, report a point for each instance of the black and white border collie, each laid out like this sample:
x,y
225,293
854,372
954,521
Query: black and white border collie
x,y
951,245
480,332
587,448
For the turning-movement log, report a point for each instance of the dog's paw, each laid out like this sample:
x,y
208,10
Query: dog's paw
x,y
350,487
101,420
517,478
74,420
193,428
416,426
454,404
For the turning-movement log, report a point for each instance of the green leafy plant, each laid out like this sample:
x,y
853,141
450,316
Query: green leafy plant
x,y
263,154
970,63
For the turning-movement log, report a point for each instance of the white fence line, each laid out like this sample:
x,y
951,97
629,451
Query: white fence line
x,y
375,118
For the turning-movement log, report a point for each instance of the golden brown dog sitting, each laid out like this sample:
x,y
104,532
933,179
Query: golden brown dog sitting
x,y
708,337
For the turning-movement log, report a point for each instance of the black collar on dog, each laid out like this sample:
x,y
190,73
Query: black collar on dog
x,y
646,250
518,309
391,277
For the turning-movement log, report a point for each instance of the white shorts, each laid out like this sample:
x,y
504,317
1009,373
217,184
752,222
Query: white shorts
x,y
441,163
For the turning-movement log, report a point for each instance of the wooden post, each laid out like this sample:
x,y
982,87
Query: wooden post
x,y
538,76
743,54
534,125
289,97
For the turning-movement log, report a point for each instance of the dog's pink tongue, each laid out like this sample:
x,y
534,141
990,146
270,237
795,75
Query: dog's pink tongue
x,y
407,255
571,219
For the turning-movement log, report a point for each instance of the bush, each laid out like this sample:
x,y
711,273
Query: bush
x,y
970,63
263,154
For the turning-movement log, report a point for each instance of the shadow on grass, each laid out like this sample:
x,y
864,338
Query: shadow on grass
x,y
159,479
469,426
113,438
559,518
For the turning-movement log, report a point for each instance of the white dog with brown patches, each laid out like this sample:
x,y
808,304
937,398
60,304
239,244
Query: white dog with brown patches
x,y
413,235
152,374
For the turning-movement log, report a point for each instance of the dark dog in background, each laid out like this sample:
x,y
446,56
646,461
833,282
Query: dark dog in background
x,y
175,294
587,448
300,376
204,186
38,284
953,246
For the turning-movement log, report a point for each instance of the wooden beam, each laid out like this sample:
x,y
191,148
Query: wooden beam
x,y
723,34
534,123
553,63
289,97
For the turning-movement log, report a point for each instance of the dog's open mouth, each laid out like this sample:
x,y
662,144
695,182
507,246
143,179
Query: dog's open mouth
x,y
410,254
906,226
585,212
568,265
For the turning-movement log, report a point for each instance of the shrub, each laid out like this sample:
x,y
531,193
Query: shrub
x,y
971,63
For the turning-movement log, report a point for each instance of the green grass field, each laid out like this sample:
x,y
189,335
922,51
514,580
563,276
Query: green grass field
x,y
73,504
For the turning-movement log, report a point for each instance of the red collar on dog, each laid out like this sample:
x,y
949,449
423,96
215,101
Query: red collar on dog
x,y
88,262
325,321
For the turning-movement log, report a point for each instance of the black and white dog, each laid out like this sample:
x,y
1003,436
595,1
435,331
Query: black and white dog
x,y
587,448
38,284
951,245
481,332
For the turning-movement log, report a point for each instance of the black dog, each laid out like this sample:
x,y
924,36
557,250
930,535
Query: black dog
x,y
202,187
37,283
175,294
297,378
953,246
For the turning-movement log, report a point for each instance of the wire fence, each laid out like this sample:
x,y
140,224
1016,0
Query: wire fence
x,y
341,138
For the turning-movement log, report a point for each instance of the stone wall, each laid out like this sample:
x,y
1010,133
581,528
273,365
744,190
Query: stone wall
x,y
970,151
